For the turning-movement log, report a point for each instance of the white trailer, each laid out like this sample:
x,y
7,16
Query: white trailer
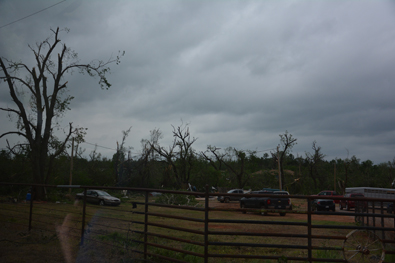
x,y
373,192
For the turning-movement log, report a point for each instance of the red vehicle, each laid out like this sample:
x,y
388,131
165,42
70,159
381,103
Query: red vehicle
x,y
347,204
329,193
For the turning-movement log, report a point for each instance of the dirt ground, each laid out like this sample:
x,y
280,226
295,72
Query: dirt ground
x,y
292,216
388,222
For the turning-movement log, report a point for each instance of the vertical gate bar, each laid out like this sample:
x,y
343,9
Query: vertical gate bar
x,y
374,217
145,224
367,216
382,220
32,195
83,218
309,230
206,225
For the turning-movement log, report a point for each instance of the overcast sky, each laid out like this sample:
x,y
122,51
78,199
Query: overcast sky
x,y
239,72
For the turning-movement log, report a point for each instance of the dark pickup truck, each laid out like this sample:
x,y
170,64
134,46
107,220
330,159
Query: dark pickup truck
x,y
280,203
328,193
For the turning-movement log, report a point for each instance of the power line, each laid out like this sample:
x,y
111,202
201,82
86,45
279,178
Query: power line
x,y
31,14
266,150
94,144
100,146
134,153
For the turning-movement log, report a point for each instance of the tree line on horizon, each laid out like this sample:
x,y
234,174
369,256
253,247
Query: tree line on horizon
x,y
177,166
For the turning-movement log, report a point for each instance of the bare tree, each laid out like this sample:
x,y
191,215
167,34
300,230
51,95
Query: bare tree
x,y
287,143
145,162
239,171
120,157
179,155
45,87
148,159
234,160
313,160
216,160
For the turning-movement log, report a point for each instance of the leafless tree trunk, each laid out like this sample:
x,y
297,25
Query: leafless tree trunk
x,y
287,142
314,161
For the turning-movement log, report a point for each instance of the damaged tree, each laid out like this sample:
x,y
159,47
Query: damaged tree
x,y
234,160
180,155
313,161
45,89
287,143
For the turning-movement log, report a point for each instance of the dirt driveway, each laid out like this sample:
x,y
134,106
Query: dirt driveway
x,y
336,218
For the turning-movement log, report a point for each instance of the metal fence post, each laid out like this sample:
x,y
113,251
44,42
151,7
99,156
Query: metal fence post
x,y
83,219
382,220
374,217
309,252
32,195
145,224
206,206
367,217
393,212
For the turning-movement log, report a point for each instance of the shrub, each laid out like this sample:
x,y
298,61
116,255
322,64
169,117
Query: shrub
x,y
176,199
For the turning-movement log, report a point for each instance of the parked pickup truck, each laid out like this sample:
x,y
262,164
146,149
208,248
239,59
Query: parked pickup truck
x,y
323,205
328,193
280,203
347,204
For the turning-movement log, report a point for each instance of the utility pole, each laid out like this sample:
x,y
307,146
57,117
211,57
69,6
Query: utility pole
x,y
334,183
279,170
116,165
71,165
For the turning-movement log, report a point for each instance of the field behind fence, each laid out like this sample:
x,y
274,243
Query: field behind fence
x,y
142,229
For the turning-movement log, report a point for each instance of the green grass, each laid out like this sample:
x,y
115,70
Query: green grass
x,y
390,257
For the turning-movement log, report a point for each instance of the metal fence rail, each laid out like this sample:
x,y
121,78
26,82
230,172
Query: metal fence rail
x,y
149,231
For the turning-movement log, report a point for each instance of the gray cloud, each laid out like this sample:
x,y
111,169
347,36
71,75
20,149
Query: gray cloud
x,y
240,72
